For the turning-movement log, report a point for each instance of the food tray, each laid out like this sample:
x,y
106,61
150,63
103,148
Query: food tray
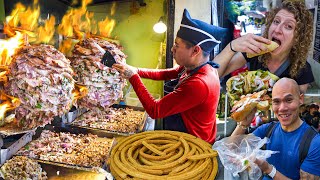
x,y
65,171
10,145
59,171
72,166
108,133
9,130
72,115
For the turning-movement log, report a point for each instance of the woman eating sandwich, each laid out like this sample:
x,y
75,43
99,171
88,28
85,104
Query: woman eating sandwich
x,y
282,50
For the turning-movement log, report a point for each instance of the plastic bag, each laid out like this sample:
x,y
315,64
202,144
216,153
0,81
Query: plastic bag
x,y
238,153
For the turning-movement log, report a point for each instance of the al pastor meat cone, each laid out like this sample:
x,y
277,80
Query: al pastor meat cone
x,y
104,84
41,77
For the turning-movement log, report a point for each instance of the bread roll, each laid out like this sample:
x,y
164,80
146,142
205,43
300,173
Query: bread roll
x,y
244,107
270,47
242,114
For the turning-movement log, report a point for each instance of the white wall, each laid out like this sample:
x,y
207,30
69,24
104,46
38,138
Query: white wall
x,y
200,9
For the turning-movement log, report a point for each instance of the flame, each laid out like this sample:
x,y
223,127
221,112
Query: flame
x,y
45,33
79,24
113,8
78,92
66,46
8,103
76,20
3,76
25,20
8,48
106,27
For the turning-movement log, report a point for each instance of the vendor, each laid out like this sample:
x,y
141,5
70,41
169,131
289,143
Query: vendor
x,y
291,26
192,104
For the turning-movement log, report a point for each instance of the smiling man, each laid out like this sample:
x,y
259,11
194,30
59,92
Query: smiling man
x,y
286,136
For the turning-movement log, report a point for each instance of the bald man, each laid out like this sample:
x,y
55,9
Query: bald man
x,y
286,136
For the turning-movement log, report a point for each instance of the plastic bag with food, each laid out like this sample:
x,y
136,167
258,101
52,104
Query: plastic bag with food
x,y
238,153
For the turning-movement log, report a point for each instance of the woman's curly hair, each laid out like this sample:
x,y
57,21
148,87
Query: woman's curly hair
x,y
302,35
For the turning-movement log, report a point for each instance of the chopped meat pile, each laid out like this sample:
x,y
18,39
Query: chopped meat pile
x,y
83,150
41,77
20,167
104,84
112,119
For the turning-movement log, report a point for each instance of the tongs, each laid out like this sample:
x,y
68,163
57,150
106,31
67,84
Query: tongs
x,y
107,58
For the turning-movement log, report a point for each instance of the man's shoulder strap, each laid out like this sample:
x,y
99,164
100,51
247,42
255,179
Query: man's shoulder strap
x,y
305,142
270,129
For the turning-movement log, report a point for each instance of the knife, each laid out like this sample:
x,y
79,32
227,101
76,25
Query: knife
x,y
107,58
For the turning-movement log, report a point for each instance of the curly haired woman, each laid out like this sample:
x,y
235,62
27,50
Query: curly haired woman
x,y
291,26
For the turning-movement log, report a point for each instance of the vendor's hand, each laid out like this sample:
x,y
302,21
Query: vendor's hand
x,y
263,165
250,43
125,70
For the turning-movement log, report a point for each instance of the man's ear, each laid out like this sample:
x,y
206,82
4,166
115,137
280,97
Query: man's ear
x,y
196,50
301,98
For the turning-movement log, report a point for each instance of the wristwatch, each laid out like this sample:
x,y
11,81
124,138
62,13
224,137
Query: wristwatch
x,y
273,172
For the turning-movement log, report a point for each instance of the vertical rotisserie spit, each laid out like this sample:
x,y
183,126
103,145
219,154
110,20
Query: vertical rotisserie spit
x,y
104,84
41,77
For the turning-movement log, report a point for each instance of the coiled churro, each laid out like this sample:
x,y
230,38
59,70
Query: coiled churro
x,y
159,155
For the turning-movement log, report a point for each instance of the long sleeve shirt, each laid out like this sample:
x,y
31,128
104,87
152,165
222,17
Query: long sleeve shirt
x,y
196,99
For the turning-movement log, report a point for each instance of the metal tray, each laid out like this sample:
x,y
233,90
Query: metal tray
x,y
107,133
9,130
59,171
63,172
12,144
72,166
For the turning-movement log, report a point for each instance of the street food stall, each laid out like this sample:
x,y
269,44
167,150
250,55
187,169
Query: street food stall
x,y
61,115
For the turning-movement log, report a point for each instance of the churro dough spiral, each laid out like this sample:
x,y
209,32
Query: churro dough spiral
x,y
163,155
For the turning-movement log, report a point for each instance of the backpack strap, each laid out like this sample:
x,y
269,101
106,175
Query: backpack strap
x,y
269,132
305,142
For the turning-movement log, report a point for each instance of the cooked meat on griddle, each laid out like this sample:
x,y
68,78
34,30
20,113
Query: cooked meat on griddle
x,y
41,77
83,150
104,84
20,167
123,120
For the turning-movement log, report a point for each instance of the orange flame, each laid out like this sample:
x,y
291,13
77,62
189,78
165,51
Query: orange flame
x,y
8,48
8,103
65,46
78,92
106,27
46,32
79,24
25,20
74,21
3,76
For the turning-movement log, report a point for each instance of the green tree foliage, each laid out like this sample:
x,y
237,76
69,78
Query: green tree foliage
x,y
233,10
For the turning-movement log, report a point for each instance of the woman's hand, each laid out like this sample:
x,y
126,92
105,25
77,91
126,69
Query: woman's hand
x,y
125,70
250,43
